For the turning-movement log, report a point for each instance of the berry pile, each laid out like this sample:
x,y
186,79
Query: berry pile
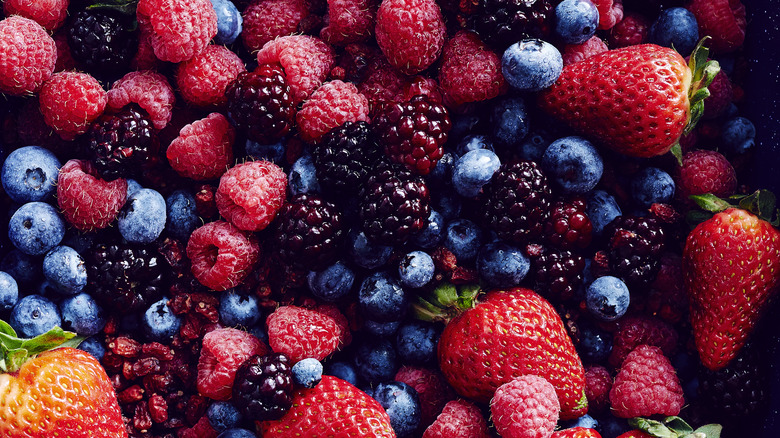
x,y
394,218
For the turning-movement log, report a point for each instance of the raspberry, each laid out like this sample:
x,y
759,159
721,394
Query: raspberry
x,y
201,429
202,80
431,387
180,28
221,255
705,171
27,56
306,61
721,95
641,330
598,382
266,20
458,419
610,12
144,58
723,20
65,60
631,30
301,333
70,101
577,52
526,407
250,194
222,353
50,14
470,71
150,90
204,149
332,105
646,385
349,21
382,83
86,201
410,33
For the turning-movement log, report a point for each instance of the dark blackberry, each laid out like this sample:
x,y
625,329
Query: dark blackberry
x,y
260,103
557,273
103,41
394,204
569,226
263,387
413,132
310,232
516,202
121,144
634,247
502,23
345,155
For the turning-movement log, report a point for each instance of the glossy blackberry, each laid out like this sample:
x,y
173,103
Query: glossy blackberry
x,y
568,226
516,202
345,155
310,232
103,41
263,387
413,132
557,273
394,204
121,144
502,23
634,247
260,103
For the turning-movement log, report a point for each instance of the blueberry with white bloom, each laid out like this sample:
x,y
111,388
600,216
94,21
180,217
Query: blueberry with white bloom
x,y
473,170
35,228
65,270
143,218
229,21
675,27
576,20
510,121
607,298
30,174
502,265
652,185
738,135
34,315
573,163
601,209
531,65
307,372
81,314
331,283
416,269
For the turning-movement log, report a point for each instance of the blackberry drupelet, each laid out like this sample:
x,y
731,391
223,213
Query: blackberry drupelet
x,y
569,227
516,202
310,232
502,23
344,157
634,247
263,387
260,104
557,273
121,144
103,41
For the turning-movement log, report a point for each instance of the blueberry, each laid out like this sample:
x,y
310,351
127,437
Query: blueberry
x,y
133,187
273,152
35,228
25,269
585,421
381,329
93,346
82,315
376,360
258,331
613,427
344,371
143,218
607,298
237,433
65,270
30,174
402,404
34,315
531,65
473,142
601,210
79,241
307,373
432,233
159,323
533,146
441,174
416,342
9,292
509,119
182,214
595,344
222,415
332,283
574,164
652,185
229,21
502,265
473,170
416,269
463,237
677,28
738,136
382,298
366,253
237,309
303,176
448,203
576,21
463,125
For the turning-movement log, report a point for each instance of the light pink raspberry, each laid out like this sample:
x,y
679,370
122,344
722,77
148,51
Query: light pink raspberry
x,y
526,407
144,58
349,21
223,351
306,61
458,419
50,14
88,202
410,33
333,104
204,149
180,28
300,333
150,90
470,71
250,194
202,80
577,52
610,12
221,255
27,56
70,101
266,20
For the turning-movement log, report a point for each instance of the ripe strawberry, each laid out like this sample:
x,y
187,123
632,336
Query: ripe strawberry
x,y
651,83
576,432
635,434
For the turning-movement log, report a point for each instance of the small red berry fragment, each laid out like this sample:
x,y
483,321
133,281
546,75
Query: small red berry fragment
x,y
27,56
86,201
332,105
202,80
48,13
610,12
250,194
221,255
410,33
598,382
470,71
632,30
646,385
349,21
306,61
526,407
302,333
577,52
150,90
266,20
723,20
180,29
458,419
222,353
70,101
204,149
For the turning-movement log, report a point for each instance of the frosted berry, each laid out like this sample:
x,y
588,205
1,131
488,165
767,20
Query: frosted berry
x,y
306,61
250,194
27,56
180,29
221,255
222,353
150,90
88,202
266,20
204,149
410,33
203,80
70,101
332,105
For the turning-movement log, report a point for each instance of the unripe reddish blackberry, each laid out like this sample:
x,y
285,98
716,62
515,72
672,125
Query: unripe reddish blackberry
x,y
260,103
310,232
569,226
121,144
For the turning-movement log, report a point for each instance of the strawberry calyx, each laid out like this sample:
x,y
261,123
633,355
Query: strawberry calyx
x,y
15,351
446,302
674,427
762,203
125,7
703,71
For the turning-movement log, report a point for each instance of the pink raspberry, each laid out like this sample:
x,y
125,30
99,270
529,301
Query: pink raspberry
x,y
470,71
610,12
724,20
349,21
50,14
266,20
646,385
637,330
577,52
150,90
382,83
221,255
86,201
204,149
65,60
706,171
458,419
223,351
721,95
180,28
630,31
306,61
144,58
202,80
27,56
302,333
410,33
250,194
431,387
526,407
598,382
70,101
333,104
201,429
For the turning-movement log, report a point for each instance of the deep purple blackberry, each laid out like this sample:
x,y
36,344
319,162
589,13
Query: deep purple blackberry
x,y
260,103
568,226
557,274
103,41
516,202
634,247
121,144
502,23
263,387
344,157
394,204
310,232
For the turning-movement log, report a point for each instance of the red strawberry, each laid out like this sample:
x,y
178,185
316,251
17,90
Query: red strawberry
x,y
635,434
576,432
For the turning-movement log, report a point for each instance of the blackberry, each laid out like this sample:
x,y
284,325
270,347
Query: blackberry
x,y
569,226
394,204
103,41
516,202
634,247
121,144
344,157
260,104
557,273
310,232
413,132
502,23
263,387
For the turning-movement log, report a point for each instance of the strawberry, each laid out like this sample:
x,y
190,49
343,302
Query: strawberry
x,y
47,391
663,96
577,432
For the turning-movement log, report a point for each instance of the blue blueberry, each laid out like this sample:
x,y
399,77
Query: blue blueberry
x,y
502,265
382,298
595,344
237,433
473,142
47,289
143,218
258,331
613,427
576,21
344,371
432,233
24,268
93,346
30,174
441,174
448,204
574,164
607,298
585,421
473,170
133,187
159,323
509,118
332,283
416,342
182,214
9,292
34,315
237,309
652,185
307,372
677,28
402,404
381,329
416,269
82,315
463,125
78,241
130,322
273,152
303,176
366,253
738,136
464,238
375,360
229,21
531,65
222,415
601,209
35,228
533,146
65,270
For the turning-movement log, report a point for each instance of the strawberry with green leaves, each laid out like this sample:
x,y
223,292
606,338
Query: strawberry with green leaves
x,y
576,432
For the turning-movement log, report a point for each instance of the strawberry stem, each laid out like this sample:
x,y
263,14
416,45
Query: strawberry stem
x,y
703,71
762,203
446,302
674,427
15,351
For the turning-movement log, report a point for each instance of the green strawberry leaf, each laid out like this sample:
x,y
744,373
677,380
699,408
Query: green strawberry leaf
x,y
125,7
676,151
467,296
710,202
703,71
14,359
707,431
678,425
652,427
52,339
762,203
16,351
6,328
695,217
